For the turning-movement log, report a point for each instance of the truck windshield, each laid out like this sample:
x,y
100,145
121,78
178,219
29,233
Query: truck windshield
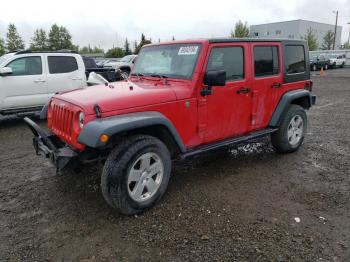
x,y
127,58
174,61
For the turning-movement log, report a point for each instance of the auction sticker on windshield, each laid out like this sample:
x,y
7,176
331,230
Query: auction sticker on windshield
x,y
188,50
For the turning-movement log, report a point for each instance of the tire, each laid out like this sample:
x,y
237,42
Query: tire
x,y
124,74
342,65
120,187
314,67
326,67
290,136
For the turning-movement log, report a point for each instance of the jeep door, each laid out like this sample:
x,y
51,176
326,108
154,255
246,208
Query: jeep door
x,y
228,108
26,86
65,73
267,81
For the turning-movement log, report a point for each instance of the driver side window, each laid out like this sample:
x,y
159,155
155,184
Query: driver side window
x,y
26,66
230,59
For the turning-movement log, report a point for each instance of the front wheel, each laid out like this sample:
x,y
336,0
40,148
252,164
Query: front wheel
x,y
134,180
124,74
291,132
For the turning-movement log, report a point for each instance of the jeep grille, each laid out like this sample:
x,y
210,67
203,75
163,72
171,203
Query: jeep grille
x,y
62,121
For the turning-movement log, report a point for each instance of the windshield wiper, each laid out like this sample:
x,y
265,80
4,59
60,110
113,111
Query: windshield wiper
x,y
139,75
163,77
158,75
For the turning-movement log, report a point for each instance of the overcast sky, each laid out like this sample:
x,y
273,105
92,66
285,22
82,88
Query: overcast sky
x,y
108,22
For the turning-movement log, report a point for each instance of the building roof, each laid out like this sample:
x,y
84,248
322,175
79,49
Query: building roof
x,y
293,21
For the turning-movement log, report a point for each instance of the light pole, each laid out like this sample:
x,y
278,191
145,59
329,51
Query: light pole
x,y
349,34
335,28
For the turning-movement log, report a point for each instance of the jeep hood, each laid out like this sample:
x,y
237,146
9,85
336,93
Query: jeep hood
x,y
122,95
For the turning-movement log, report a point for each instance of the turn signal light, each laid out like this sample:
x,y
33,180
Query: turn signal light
x,y
104,138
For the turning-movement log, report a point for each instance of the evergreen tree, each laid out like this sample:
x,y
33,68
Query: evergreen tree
x,y
143,42
127,47
328,40
97,50
311,39
39,41
59,38
2,47
14,41
135,47
347,45
115,52
241,30
89,50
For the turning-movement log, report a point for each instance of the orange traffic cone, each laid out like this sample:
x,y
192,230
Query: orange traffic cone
x,y
322,72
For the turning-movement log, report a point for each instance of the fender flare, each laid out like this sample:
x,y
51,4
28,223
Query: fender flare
x,y
90,135
285,101
125,67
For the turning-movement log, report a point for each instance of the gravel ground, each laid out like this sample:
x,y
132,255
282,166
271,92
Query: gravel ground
x,y
249,204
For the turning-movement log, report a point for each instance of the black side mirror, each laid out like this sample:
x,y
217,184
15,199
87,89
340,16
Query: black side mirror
x,y
213,78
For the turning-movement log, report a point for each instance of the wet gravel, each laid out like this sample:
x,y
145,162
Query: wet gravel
x,y
245,204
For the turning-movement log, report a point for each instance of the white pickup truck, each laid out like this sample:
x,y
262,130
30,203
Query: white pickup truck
x,y
28,79
336,60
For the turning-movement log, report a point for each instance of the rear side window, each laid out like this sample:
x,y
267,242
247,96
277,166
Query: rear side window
x,y
266,61
89,63
26,66
229,59
62,64
295,59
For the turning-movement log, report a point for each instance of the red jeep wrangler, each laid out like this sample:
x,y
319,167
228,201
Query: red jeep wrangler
x,y
182,98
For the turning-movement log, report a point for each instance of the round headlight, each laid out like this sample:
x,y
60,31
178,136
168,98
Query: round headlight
x,y
81,119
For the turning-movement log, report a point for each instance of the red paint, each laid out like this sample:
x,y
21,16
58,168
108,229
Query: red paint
x,y
206,119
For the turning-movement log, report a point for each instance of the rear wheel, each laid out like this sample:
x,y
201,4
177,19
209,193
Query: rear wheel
x,y
342,65
291,132
135,179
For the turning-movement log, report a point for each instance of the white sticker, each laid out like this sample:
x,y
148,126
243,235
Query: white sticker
x,y
188,50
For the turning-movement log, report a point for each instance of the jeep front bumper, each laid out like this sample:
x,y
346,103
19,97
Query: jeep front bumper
x,y
51,146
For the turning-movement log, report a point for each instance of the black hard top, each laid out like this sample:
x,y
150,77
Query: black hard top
x,y
244,39
51,52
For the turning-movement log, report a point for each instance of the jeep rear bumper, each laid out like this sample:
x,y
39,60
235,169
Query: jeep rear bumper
x,y
51,146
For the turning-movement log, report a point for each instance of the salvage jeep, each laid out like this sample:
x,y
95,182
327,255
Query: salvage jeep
x,y
182,98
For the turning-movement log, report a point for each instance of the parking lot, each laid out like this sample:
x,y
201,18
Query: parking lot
x,y
248,204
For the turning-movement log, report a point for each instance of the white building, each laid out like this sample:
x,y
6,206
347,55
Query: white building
x,y
295,29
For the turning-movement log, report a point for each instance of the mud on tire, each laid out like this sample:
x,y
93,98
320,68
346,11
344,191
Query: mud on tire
x,y
128,160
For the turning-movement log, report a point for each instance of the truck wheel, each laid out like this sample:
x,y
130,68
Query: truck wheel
x,y
291,132
135,177
124,74
342,65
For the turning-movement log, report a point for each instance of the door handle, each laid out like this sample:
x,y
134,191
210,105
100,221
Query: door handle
x,y
276,85
243,90
39,81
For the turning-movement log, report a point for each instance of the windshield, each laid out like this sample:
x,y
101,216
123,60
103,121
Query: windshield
x,y
332,56
4,58
127,58
175,61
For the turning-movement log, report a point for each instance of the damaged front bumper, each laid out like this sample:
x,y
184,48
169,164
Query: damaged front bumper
x,y
50,146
